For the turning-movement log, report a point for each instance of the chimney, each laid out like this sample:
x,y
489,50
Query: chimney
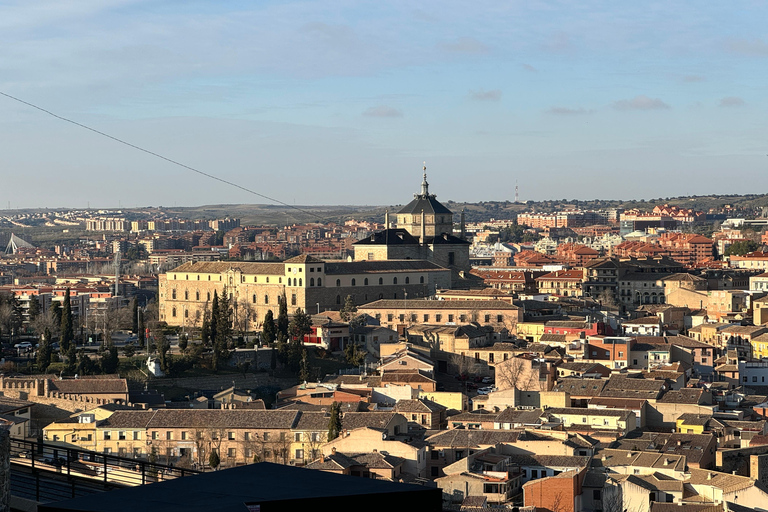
x,y
386,219
333,451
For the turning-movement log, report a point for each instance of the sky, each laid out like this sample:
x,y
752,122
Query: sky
x,y
340,102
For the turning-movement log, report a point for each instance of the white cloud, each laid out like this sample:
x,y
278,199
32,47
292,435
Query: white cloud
x,y
382,111
640,102
753,47
731,101
468,45
481,95
565,111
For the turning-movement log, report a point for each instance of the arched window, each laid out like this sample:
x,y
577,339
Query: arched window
x,y
173,312
187,277
300,282
394,280
338,299
266,299
173,294
319,282
338,282
197,295
186,313
381,280
209,295
407,280
186,294
311,281
421,280
365,282
254,298
353,281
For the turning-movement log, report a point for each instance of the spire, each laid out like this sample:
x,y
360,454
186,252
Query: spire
x,y
424,184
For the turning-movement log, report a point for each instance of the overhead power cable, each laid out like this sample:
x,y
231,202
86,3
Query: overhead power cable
x,y
157,155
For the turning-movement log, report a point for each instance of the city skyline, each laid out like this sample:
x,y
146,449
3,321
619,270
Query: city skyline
x,y
306,103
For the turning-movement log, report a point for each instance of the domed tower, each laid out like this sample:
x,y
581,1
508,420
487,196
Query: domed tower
x,y
437,218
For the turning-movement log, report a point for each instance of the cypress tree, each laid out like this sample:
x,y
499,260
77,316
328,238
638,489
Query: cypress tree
x,y
282,317
34,307
140,319
268,330
67,331
334,423
214,321
71,366
44,352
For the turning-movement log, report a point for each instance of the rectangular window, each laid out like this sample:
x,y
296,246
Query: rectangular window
x,y
231,436
121,436
183,436
266,436
426,318
169,435
450,318
439,317
297,437
107,435
487,318
247,435
299,453
232,452
136,435
490,357
402,317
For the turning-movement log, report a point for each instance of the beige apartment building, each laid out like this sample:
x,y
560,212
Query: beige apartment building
x,y
239,436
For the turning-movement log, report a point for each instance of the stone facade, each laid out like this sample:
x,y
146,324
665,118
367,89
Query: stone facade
x,y
307,283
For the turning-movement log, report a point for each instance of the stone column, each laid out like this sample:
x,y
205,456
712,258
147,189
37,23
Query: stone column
x,y
5,470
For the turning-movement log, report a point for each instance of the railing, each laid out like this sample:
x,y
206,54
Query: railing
x,y
48,472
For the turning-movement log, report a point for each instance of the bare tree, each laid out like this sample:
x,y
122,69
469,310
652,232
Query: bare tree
x,y
45,321
462,363
517,373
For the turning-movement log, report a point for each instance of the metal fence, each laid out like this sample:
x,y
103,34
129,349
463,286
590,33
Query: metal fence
x,y
46,472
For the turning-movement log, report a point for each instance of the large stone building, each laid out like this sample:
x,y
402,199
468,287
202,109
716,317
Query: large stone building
x,y
412,261
423,231
305,282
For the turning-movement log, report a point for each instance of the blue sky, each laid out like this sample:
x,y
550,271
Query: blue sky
x,y
339,102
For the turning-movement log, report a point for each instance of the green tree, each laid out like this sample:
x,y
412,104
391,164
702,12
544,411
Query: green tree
x,y
71,366
304,366
300,325
109,360
85,365
282,317
67,329
741,248
348,309
334,422
183,343
34,308
129,350
269,329
213,459
56,312
44,352
140,317
214,320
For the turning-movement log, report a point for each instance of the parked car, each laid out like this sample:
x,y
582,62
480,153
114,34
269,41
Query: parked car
x,y
485,390
487,380
25,345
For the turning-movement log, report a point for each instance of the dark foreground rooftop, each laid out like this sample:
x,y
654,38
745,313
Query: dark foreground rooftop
x,y
271,486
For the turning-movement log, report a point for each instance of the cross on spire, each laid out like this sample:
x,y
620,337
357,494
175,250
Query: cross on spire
x,y
424,184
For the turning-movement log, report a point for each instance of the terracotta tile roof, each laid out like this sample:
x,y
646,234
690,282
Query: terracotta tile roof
x,y
89,386
217,267
376,420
